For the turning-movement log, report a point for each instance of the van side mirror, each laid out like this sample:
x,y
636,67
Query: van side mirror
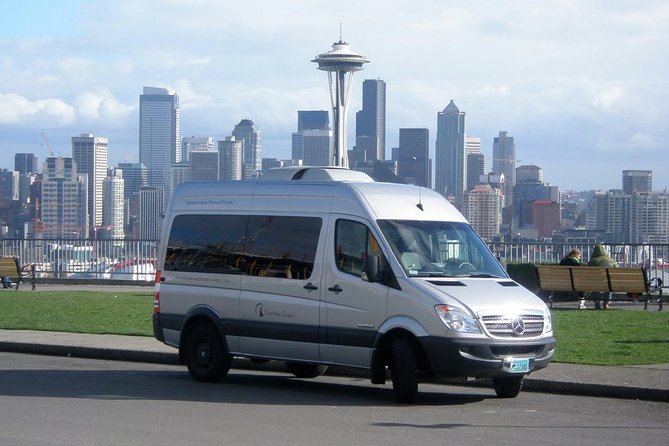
x,y
371,270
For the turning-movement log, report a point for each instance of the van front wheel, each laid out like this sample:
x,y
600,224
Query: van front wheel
x,y
404,371
206,358
508,386
301,370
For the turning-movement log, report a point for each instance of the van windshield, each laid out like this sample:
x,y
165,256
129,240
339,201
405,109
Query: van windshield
x,y
439,249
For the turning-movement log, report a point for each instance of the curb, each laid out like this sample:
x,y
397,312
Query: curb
x,y
530,383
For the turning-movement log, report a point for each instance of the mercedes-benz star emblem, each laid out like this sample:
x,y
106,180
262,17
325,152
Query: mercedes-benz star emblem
x,y
518,326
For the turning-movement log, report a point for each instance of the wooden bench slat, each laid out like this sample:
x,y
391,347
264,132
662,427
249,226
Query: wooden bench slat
x,y
554,279
628,280
622,282
590,279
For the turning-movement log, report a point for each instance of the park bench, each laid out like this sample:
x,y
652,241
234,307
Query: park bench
x,y
624,283
11,271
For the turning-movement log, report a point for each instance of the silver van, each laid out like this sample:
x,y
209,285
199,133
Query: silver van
x,y
324,266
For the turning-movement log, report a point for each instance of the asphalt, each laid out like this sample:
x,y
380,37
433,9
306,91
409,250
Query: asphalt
x,y
642,382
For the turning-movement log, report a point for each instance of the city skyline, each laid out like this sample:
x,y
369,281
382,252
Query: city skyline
x,y
577,82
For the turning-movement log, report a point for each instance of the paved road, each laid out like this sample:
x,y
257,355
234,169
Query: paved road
x,y
650,382
71,401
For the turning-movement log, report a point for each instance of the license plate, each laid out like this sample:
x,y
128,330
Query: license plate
x,y
517,365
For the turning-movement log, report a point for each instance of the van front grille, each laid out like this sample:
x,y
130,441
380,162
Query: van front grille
x,y
522,326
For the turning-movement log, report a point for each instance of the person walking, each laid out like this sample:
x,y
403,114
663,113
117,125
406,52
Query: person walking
x,y
600,257
573,258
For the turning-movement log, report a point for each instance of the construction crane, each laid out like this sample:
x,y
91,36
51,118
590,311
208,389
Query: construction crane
x,y
46,142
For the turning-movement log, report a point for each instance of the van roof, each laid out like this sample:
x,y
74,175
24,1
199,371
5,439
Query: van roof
x,y
332,191
311,173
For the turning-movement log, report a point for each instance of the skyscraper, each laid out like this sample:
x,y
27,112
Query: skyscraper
x,y
149,208
529,188
90,154
413,164
204,166
504,161
450,160
179,173
64,200
632,217
475,161
312,120
113,209
307,120
9,185
135,175
230,155
247,132
159,133
25,163
370,122
482,207
637,181
196,144
529,173
475,168
317,147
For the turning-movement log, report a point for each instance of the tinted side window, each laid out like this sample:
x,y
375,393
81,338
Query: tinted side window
x,y
353,242
206,243
280,246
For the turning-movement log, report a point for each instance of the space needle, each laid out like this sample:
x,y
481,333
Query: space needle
x,y
340,62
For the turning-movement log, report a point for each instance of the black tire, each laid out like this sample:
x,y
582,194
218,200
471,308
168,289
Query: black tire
x,y
301,370
508,386
205,355
404,371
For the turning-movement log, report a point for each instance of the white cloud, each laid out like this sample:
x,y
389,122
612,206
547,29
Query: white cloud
x,y
584,76
642,141
608,97
103,108
16,109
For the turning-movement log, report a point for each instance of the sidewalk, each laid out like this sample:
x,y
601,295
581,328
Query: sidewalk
x,y
649,383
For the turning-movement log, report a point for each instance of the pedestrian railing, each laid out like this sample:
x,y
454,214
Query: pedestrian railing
x,y
136,259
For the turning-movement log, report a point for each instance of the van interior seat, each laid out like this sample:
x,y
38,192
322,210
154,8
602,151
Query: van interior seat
x,y
411,260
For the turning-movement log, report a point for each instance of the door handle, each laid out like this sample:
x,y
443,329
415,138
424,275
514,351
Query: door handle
x,y
310,287
335,289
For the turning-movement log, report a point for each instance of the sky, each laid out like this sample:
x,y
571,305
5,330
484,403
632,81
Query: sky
x,y
582,85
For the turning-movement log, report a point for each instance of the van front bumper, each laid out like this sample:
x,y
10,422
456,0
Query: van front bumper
x,y
452,358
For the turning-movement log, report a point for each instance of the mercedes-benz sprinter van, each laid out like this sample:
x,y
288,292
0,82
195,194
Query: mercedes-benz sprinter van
x,y
324,266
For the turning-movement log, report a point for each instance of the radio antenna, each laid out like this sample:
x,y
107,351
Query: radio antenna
x,y
420,200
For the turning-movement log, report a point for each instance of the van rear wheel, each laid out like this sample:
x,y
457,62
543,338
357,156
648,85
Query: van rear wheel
x,y
404,371
206,358
507,386
301,370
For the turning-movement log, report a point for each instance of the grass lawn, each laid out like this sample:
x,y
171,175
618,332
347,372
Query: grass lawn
x,y
612,337
77,311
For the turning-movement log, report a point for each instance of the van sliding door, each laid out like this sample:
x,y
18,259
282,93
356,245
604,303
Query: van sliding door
x,y
280,288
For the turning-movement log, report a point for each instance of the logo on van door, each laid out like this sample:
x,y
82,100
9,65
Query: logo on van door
x,y
262,311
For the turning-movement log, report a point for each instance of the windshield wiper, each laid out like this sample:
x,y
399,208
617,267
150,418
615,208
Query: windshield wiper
x,y
484,276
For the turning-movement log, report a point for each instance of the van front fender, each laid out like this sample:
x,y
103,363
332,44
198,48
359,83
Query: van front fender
x,y
393,328
404,323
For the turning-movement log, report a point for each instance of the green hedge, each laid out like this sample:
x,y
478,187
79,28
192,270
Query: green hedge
x,y
525,274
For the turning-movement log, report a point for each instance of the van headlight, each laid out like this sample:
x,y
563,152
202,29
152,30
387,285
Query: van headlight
x,y
548,324
456,319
